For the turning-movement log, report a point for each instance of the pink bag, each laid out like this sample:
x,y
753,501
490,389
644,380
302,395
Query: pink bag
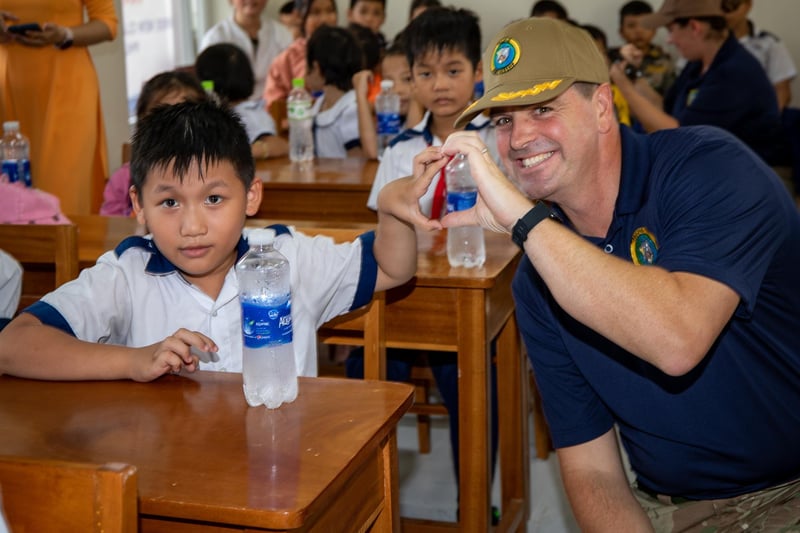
x,y
24,205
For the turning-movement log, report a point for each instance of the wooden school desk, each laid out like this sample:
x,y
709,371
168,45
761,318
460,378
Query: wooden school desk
x,y
441,308
328,190
462,310
208,462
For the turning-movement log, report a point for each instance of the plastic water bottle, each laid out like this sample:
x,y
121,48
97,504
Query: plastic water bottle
x,y
268,366
16,154
387,110
301,122
465,245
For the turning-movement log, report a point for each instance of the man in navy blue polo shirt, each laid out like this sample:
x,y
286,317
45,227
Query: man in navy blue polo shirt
x,y
663,301
722,84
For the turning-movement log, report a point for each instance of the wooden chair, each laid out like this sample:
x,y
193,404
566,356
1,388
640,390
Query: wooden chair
x,y
278,111
47,253
55,496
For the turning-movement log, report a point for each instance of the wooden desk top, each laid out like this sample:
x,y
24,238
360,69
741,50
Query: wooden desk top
x,y
201,452
349,173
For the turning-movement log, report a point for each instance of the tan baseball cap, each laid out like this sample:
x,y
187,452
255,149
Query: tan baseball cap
x,y
535,60
678,9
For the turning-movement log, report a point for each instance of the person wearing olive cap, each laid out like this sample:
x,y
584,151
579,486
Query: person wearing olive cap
x,y
657,293
722,84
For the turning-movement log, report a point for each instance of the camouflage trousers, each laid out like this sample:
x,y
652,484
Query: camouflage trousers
x,y
771,510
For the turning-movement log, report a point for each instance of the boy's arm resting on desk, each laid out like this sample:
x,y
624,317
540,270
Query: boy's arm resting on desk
x,y
597,487
31,349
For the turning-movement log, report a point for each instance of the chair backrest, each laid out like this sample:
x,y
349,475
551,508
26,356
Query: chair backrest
x,y
47,495
48,254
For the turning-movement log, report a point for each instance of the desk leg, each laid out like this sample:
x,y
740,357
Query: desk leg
x,y
375,338
512,399
388,520
474,412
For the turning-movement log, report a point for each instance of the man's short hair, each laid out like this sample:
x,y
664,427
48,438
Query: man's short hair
x,y
440,29
190,132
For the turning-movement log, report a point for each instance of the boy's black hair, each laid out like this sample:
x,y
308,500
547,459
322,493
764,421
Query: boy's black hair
x,y
190,132
544,6
287,8
164,83
416,4
398,46
371,48
440,29
229,68
354,2
337,53
634,8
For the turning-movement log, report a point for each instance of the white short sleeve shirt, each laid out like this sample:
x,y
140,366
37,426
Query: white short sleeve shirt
x,y
771,53
135,297
10,285
336,128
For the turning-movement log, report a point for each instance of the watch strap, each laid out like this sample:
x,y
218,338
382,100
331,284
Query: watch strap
x,y
529,220
69,38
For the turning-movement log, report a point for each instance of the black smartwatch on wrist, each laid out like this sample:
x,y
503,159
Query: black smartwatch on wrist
x,y
528,221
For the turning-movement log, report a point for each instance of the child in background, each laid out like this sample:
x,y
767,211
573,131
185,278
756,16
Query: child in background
x,y
549,8
291,63
165,88
653,63
443,49
289,17
226,65
373,53
261,38
394,66
333,57
766,47
621,107
148,307
369,13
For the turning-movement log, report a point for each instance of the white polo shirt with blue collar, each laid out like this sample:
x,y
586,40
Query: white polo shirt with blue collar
x,y
135,297
398,158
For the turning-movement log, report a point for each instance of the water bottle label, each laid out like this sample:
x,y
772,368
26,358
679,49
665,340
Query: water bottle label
x,y
266,325
461,200
11,169
298,110
388,123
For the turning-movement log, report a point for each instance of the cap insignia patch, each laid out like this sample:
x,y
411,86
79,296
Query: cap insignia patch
x,y
506,55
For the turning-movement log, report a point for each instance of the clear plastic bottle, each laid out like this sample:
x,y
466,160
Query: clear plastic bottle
x,y
465,245
15,150
387,111
268,365
301,122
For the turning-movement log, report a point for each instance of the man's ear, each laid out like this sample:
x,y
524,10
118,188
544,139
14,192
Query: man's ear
x,y
604,106
254,197
137,205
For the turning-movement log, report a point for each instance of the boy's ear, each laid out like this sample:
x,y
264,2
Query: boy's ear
x,y
254,197
137,205
479,71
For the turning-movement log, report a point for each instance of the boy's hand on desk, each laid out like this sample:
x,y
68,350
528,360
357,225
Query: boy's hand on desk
x,y
171,355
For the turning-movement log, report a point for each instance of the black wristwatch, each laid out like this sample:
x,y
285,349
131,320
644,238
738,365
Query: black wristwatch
x,y
528,221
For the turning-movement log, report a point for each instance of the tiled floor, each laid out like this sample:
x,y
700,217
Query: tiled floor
x,y
428,488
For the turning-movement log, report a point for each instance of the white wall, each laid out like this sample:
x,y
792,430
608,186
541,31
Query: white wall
x,y
778,16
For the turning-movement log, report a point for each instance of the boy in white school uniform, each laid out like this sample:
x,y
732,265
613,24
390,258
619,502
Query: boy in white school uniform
x,y
333,56
157,303
443,50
